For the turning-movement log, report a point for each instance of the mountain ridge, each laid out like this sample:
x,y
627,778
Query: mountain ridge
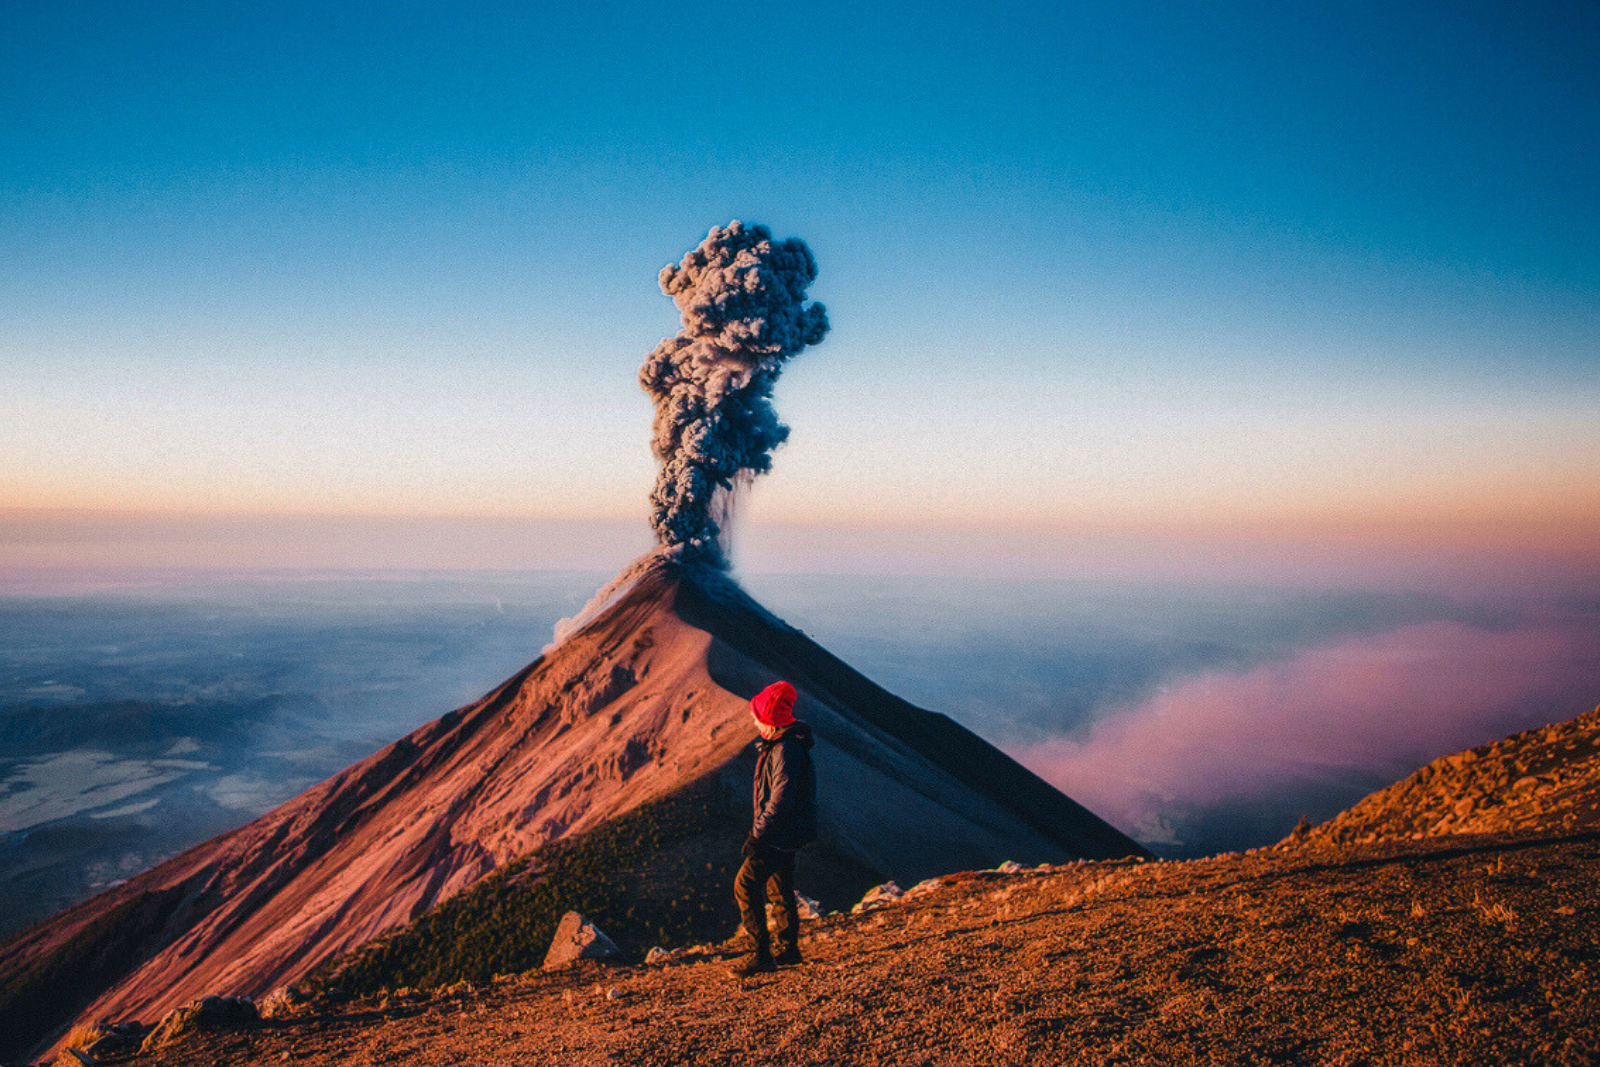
x,y
645,699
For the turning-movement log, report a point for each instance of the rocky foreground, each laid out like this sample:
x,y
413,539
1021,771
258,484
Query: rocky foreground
x,y
1480,949
1452,918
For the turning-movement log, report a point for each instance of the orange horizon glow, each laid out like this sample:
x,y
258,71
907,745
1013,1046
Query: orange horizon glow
x,y
1555,552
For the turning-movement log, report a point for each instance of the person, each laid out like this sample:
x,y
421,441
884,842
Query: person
x,y
785,822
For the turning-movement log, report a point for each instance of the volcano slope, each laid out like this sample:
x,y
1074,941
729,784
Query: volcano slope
x,y
645,704
1450,948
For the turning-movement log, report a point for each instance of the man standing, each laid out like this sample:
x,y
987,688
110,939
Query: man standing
x,y
785,822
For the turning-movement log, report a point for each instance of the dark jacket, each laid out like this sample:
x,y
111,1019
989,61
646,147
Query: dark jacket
x,y
785,790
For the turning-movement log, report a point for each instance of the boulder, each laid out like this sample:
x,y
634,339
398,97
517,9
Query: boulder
x,y
104,1038
283,1002
117,1038
207,1013
578,939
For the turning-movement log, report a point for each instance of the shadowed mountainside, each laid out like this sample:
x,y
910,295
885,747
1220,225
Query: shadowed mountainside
x,y
643,703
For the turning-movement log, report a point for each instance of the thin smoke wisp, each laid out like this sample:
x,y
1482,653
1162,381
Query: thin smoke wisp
x,y
742,296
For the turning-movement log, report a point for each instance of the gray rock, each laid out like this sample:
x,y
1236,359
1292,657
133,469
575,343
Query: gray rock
x,y
207,1013
879,896
804,905
578,939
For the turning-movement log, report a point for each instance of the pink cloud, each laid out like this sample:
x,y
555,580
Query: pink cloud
x,y
1340,713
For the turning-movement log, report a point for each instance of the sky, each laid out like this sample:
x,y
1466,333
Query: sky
x,y
1232,289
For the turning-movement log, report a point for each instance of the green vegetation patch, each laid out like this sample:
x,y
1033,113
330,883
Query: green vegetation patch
x,y
659,875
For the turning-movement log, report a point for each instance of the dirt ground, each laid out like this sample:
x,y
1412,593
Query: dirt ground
x,y
1449,950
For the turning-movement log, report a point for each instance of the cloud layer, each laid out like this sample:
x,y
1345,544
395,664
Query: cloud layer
x,y
1229,759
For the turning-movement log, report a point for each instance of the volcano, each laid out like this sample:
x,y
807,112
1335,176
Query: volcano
x,y
646,701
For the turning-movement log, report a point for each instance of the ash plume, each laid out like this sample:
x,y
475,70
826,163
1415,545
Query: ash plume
x,y
742,298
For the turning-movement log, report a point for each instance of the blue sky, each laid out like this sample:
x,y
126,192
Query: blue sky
x,y
1284,272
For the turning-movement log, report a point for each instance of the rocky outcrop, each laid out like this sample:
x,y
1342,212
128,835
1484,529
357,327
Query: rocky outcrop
x,y
103,1040
205,1013
1544,780
578,939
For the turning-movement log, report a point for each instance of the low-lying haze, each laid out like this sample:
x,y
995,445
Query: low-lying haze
x,y
1197,717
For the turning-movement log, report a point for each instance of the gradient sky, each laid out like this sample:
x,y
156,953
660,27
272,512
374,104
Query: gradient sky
x,y
1236,273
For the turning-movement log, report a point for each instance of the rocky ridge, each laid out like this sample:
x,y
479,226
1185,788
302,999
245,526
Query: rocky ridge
x,y
1542,780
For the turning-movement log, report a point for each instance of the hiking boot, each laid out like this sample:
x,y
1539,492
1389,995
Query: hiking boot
x,y
789,956
755,963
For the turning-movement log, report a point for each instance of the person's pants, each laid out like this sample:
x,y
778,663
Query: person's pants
x,y
774,869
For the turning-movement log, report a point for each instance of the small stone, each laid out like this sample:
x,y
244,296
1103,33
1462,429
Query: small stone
x,y
207,1013
282,1002
806,907
878,897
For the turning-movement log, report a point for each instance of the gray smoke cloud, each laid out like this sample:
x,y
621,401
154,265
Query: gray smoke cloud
x,y
742,296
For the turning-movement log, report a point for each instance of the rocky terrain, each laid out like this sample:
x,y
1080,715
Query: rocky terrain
x,y
1481,949
1538,780
1374,939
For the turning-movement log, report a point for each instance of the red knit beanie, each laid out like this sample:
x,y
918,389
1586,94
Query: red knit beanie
x,y
774,705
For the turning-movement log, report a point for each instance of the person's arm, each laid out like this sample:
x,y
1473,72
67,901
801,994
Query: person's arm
x,y
777,799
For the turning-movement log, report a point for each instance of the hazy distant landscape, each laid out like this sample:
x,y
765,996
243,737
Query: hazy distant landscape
x,y
136,721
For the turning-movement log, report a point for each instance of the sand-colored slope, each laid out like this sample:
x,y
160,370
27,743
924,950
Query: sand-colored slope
x,y
648,698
